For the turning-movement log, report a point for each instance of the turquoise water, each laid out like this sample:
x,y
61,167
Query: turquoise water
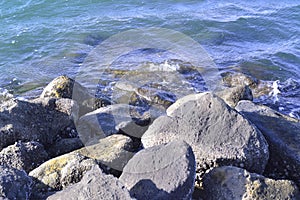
x,y
40,40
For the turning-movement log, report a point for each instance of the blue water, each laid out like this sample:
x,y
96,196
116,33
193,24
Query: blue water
x,y
40,40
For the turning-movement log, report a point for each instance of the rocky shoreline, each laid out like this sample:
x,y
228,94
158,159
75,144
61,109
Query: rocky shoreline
x,y
67,144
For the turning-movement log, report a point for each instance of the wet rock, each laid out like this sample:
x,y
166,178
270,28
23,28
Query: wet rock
x,y
232,96
23,156
282,133
259,88
65,87
14,183
63,146
113,151
217,133
111,120
161,172
59,172
94,185
234,183
42,120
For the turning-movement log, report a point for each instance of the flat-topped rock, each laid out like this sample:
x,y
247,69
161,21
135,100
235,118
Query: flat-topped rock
x,y
218,134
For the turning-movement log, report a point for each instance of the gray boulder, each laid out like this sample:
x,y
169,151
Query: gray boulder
x,y
233,95
63,146
23,156
218,134
93,186
110,120
14,184
59,172
42,120
282,133
234,183
161,172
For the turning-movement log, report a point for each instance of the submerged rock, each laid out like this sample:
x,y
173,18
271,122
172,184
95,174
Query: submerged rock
x,y
23,156
14,183
283,135
234,183
93,186
218,134
111,120
42,120
161,172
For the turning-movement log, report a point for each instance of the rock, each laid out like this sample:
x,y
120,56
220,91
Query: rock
x,y
217,133
63,146
94,185
111,120
59,172
65,87
258,87
113,151
23,156
234,183
283,135
14,183
42,120
161,172
232,96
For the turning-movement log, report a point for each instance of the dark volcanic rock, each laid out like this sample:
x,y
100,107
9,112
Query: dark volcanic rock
x,y
63,146
283,135
14,184
218,134
161,172
234,183
93,186
111,120
42,120
23,156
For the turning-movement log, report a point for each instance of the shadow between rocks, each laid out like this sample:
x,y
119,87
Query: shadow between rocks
x,y
146,189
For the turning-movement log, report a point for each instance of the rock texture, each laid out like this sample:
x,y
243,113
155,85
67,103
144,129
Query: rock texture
x,y
161,172
14,184
63,146
234,183
218,134
94,185
111,120
23,156
65,87
57,173
283,135
113,151
232,96
42,120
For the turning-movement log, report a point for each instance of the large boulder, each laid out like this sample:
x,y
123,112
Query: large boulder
x,y
113,151
59,172
110,120
23,156
234,183
161,172
42,120
93,186
283,135
218,134
14,184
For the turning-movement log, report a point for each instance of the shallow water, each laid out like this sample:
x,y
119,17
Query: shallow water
x,y
40,40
